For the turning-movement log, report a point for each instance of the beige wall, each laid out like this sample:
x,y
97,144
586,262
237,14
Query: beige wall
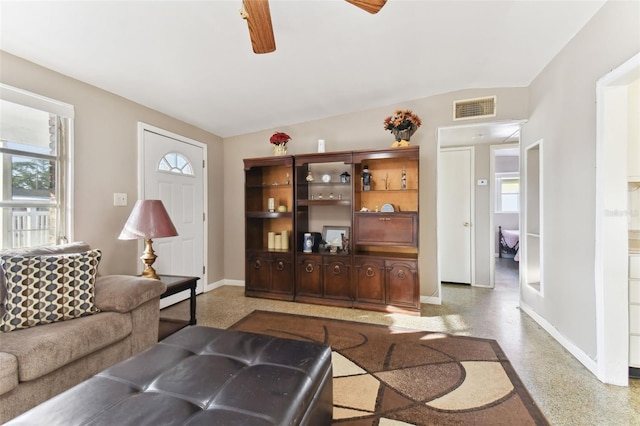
x,y
360,130
563,114
105,136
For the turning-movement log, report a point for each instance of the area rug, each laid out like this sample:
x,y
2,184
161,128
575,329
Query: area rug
x,y
389,376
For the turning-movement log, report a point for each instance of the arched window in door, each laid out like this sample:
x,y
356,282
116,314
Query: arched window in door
x,y
174,162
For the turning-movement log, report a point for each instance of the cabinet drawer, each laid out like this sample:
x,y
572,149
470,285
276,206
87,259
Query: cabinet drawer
x,y
369,277
402,283
309,276
634,267
634,319
634,351
390,229
337,277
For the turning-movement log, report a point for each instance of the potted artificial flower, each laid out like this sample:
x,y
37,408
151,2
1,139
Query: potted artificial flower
x,y
279,141
403,123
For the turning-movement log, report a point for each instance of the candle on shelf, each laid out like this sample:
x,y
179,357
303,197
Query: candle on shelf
x,y
285,239
278,242
271,241
271,204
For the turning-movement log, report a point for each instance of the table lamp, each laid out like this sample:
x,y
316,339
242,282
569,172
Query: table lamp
x,y
149,219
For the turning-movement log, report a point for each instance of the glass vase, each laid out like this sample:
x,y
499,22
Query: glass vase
x,y
280,149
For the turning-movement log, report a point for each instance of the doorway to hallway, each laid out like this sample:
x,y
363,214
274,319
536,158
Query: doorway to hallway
x,y
481,138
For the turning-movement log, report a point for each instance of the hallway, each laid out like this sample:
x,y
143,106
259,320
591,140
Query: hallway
x,y
566,391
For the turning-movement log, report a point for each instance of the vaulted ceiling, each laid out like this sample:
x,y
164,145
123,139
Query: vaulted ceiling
x,y
193,59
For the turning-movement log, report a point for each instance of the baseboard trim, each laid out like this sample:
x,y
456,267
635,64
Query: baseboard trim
x,y
222,282
578,353
431,300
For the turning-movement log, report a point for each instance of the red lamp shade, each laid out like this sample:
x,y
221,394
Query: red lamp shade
x,y
149,219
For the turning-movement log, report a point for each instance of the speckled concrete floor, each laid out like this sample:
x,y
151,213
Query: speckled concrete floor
x,y
566,391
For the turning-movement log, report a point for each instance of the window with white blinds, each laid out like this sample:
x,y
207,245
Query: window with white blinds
x,y
507,193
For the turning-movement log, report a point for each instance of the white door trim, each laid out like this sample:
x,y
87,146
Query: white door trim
x,y
142,127
612,322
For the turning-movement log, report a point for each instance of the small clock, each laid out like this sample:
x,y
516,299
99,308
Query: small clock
x,y
326,178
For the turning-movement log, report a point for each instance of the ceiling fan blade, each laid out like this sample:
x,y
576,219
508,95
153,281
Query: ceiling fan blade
x,y
258,17
371,6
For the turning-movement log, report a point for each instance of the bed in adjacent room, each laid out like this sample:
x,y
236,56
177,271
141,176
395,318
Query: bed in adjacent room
x,y
509,242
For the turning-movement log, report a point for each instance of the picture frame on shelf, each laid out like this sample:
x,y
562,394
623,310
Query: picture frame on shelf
x,y
336,236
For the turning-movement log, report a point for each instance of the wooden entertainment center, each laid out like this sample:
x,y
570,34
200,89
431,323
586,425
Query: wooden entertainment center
x,y
357,212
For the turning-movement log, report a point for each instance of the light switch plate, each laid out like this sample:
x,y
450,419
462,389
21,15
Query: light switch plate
x,y
119,199
482,182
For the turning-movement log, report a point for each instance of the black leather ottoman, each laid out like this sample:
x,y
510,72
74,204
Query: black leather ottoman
x,y
203,376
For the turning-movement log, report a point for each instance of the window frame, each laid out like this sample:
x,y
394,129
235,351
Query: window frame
x,y
498,193
65,114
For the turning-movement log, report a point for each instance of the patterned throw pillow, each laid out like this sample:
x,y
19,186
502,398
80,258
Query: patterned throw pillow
x,y
49,288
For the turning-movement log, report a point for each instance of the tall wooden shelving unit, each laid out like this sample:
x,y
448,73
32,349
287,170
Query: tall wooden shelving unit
x,y
378,267
269,271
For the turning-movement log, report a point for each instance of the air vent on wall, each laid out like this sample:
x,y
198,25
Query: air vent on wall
x,y
474,108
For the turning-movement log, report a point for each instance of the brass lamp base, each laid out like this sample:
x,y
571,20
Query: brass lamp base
x,y
148,257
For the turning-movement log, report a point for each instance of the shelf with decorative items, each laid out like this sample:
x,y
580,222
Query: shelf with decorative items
x,y
386,229
269,227
323,223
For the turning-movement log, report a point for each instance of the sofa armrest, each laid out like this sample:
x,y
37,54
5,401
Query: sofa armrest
x,y
123,293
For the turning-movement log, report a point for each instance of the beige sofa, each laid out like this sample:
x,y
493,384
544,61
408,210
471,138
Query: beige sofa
x,y
39,362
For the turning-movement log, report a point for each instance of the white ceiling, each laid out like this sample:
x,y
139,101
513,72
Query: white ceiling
x,y
193,60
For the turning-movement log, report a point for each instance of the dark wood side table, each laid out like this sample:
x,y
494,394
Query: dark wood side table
x,y
176,284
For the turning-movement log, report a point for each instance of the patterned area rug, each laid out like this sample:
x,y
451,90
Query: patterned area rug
x,y
386,376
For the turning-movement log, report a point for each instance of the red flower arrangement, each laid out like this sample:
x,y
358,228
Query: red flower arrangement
x,y
280,138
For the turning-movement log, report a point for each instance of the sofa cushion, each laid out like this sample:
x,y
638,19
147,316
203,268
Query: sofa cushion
x,y
75,247
43,349
48,288
8,372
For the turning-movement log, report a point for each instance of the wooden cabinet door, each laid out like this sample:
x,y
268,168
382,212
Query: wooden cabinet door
x,y
337,277
282,273
309,276
258,272
386,229
370,278
402,283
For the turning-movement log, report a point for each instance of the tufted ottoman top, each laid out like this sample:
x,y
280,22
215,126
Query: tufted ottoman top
x,y
201,375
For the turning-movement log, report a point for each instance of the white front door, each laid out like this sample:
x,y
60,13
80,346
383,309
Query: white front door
x,y
173,171
454,209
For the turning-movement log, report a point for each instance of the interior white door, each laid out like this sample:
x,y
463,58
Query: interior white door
x,y
455,186
173,171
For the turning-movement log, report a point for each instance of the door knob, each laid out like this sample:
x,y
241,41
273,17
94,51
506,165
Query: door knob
x,y
467,224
